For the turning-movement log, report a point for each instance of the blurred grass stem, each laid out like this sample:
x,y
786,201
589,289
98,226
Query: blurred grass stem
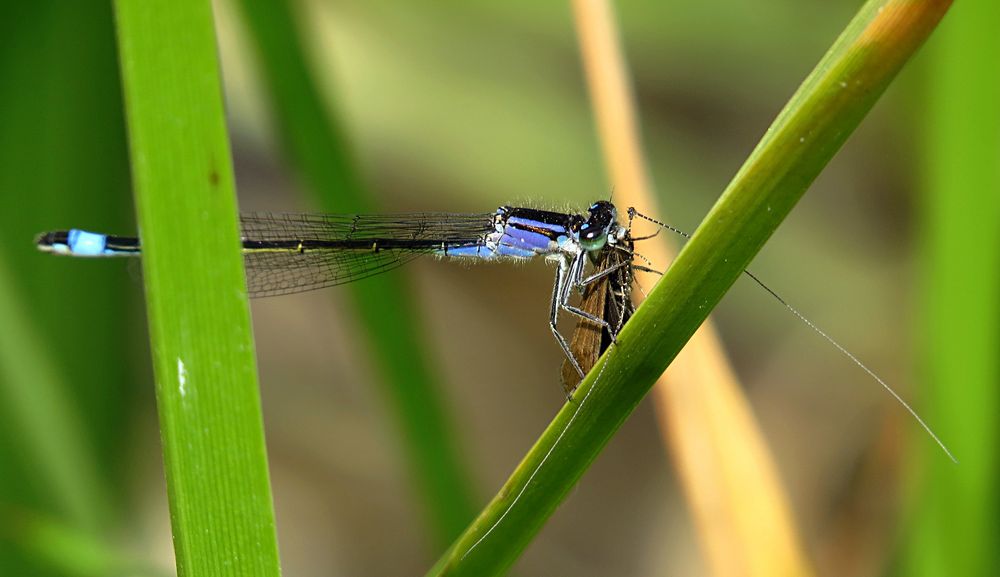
x,y
314,142
959,336
48,426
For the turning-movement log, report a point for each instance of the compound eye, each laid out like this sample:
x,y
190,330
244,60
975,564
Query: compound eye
x,y
594,232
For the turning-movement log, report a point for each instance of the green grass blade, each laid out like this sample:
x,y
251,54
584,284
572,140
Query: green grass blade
x,y
955,523
812,127
315,145
199,319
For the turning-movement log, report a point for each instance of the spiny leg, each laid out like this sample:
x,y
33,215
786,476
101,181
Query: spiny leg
x,y
599,275
558,302
574,280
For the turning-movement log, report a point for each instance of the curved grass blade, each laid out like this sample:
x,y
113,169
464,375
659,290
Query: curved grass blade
x,y
812,127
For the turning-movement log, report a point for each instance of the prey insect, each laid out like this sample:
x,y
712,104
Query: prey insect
x,y
609,298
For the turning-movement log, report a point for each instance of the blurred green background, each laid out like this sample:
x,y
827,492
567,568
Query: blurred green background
x,y
463,108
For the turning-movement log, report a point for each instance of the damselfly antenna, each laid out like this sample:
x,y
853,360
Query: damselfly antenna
x,y
632,213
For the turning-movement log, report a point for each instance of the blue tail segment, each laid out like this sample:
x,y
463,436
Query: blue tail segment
x,y
76,242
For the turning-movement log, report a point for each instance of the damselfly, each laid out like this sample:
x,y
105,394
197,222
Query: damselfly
x,y
290,253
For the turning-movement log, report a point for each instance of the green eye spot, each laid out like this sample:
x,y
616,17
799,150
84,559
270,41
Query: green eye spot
x,y
595,243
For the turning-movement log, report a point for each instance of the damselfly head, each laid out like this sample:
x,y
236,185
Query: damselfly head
x,y
595,230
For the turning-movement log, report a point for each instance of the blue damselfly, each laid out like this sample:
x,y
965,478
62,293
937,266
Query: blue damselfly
x,y
290,253
297,252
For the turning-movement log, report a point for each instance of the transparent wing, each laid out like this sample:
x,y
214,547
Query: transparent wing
x,y
290,253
